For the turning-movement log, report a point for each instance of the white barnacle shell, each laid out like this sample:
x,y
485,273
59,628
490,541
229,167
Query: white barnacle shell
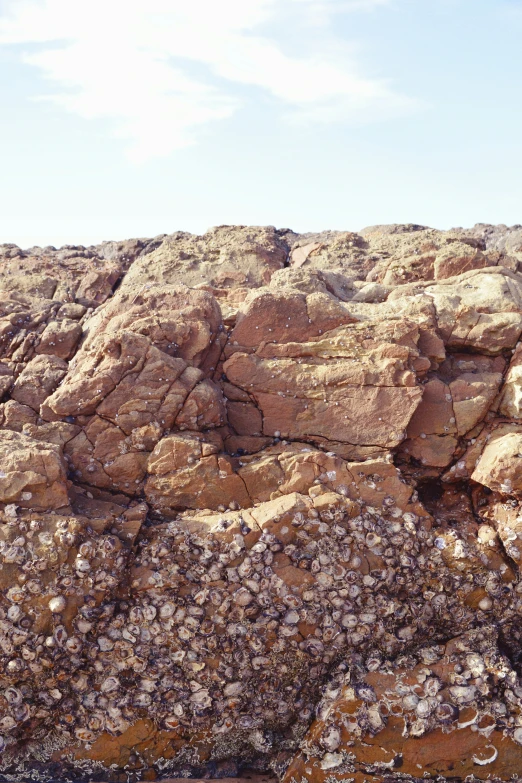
x,y
82,565
243,597
331,760
406,633
34,586
375,718
349,621
366,693
432,686
80,683
86,549
105,644
21,712
14,613
201,698
142,699
463,694
418,727
291,617
57,604
261,740
483,762
167,610
331,738
373,539
15,594
13,696
446,712
149,612
60,635
425,707
85,735
410,701
110,684
475,664
7,723
136,615
259,661
233,689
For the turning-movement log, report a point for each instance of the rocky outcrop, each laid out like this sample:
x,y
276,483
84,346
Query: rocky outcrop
x,y
260,506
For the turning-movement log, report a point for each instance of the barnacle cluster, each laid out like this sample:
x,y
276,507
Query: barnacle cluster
x,y
229,629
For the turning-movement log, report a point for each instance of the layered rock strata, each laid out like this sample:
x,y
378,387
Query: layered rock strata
x,y
261,506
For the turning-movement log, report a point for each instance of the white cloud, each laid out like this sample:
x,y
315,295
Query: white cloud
x,y
133,62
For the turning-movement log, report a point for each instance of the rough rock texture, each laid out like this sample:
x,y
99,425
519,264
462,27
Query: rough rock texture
x,y
261,507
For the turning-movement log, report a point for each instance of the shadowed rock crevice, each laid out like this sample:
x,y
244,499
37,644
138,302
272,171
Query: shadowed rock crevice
x,y
261,506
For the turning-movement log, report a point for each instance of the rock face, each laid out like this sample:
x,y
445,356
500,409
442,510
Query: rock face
x,y
261,506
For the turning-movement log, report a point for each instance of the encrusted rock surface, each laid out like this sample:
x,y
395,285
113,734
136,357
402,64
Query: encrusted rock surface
x,y
261,507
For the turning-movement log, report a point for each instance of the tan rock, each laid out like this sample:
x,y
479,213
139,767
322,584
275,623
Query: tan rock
x,y
457,257
16,416
38,380
497,467
32,474
511,401
434,450
334,387
224,257
186,473
60,338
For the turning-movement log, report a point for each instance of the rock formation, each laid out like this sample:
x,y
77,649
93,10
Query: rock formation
x,y
261,506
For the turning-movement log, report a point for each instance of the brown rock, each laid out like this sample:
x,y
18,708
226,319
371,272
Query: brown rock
x,y
497,466
334,387
38,380
32,474
60,338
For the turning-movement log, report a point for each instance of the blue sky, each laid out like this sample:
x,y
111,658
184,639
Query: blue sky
x,y
124,118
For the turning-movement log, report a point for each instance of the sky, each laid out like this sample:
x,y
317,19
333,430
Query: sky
x,y
133,118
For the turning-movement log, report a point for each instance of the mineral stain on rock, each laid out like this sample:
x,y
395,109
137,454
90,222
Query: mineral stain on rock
x,y
261,507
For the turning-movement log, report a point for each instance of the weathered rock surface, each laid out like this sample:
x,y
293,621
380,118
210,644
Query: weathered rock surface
x,y
261,506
